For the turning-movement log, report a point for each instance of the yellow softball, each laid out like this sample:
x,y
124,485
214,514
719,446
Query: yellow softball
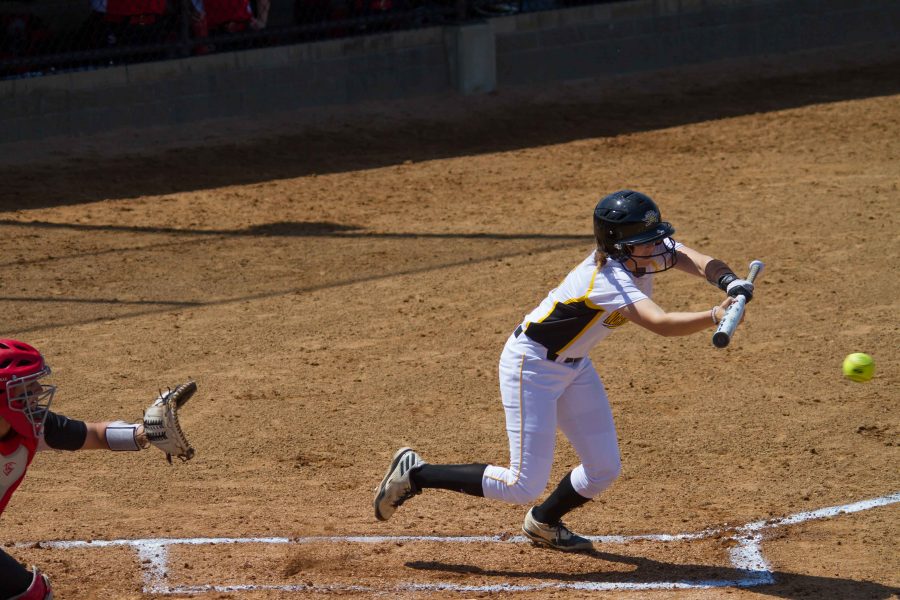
x,y
859,366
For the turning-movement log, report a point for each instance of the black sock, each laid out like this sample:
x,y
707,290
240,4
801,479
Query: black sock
x,y
456,478
563,499
14,578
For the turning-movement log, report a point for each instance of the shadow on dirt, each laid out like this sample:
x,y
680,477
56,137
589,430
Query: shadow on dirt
x,y
787,585
290,229
166,305
497,125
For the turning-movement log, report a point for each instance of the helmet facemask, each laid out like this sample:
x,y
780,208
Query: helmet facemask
x,y
27,395
662,258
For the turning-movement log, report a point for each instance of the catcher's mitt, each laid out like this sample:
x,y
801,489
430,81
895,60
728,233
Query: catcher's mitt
x,y
161,422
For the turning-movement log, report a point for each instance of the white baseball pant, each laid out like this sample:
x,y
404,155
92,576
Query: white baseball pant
x,y
539,394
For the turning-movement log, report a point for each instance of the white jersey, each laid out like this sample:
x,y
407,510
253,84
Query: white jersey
x,y
583,309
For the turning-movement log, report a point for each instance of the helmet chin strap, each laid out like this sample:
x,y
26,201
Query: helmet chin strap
x,y
634,269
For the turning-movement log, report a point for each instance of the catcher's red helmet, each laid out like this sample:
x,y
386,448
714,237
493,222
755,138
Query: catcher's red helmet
x,y
24,401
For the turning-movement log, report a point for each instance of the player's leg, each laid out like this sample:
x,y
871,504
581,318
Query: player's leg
x,y
529,386
14,578
408,474
465,478
586,420
18,583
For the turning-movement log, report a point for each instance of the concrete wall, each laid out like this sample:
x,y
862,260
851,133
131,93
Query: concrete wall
x,y
589,41
627,37
225,85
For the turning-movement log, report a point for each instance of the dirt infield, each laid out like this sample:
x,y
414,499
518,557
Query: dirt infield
x,y
345,290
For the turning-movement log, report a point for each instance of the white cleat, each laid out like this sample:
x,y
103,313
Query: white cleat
x,y
396,487
558,537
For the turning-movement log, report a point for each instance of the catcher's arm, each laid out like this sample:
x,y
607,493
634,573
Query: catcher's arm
x,y
161,426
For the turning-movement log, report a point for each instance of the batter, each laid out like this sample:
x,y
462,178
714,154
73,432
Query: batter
x,y
547,379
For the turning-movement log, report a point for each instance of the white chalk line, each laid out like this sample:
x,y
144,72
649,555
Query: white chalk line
x,y
746,557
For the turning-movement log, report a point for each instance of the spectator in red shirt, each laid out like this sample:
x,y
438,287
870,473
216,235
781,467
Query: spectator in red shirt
x,y
127,22
226,16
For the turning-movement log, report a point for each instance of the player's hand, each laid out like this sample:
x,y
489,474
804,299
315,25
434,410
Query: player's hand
x,y
140,436
740,287
723,308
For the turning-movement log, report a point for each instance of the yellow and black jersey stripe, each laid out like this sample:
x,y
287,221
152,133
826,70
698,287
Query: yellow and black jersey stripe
x,y
564,324
584,308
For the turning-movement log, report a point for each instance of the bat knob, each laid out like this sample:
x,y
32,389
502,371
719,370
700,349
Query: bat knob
x,y
720,339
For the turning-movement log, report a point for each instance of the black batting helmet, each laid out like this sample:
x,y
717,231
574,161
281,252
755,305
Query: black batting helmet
x,y
627,218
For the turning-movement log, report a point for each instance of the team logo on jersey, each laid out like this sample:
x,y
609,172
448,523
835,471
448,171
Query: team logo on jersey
x,y
615,319
651,218
13,468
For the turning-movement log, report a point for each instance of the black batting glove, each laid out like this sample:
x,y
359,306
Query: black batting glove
x,y
734,287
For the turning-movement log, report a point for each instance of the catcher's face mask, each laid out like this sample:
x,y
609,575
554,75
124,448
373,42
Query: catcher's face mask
x,y
28,396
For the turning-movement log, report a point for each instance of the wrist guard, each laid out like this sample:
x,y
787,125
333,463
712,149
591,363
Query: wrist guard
x,y
122,436
719,274
724,280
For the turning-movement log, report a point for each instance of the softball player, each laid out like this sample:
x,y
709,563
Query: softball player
x,y
27,426
547,379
